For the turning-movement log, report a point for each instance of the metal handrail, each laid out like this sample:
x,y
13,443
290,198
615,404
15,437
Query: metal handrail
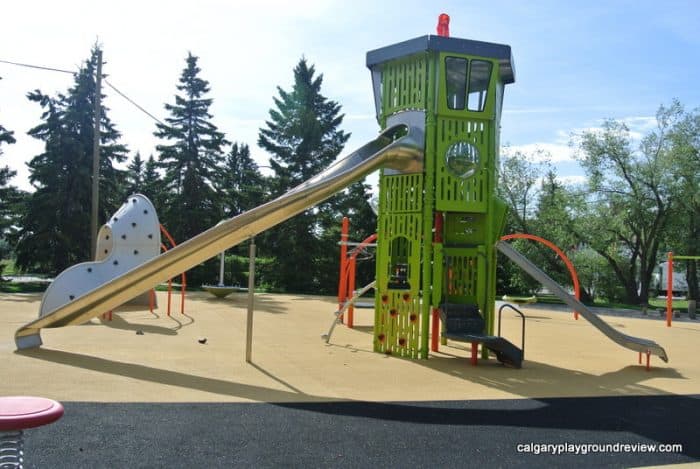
x,y
500,311
346,305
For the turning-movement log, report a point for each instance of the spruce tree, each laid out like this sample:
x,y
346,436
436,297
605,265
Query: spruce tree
x,y
8,193
303,138
242,185
55,229
151,183
190,158
134,176
10,200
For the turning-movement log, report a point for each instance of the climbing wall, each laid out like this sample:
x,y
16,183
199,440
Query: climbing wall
x,y
130,238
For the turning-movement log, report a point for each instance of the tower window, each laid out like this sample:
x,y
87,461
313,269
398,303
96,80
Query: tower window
x,y
479,77
456,75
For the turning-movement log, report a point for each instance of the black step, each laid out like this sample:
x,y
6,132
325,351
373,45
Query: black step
x,y
505,351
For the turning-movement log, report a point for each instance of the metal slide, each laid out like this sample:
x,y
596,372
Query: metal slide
x,y
399,147
632,343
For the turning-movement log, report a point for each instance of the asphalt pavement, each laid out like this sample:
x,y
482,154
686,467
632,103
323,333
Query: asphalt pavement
x,y
437,434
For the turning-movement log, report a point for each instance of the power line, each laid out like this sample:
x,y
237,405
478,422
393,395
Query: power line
x,y
51,69
37,67
133,102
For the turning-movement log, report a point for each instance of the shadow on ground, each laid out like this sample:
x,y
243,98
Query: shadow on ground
x,y
662,419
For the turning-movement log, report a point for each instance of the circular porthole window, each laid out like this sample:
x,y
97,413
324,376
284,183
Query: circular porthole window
x,y
462,159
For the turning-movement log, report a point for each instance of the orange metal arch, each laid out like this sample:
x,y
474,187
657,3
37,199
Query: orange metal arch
x,y
560,253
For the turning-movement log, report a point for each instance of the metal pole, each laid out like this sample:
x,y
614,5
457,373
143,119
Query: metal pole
x,y
221,270
669,289
96,154
251,302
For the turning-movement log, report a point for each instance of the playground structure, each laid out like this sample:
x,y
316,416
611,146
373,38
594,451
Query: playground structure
x,y
438,101
458,85
450,200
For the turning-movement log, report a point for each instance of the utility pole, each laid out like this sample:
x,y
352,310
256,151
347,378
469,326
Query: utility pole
x,y
96,154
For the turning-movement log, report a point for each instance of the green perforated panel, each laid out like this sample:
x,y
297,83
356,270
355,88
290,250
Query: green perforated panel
x,y
466,228
397,310
397,326
404,84
402,193
455,193
464,276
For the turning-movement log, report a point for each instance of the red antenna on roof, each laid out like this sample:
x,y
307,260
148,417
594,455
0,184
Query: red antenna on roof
x,y
443,26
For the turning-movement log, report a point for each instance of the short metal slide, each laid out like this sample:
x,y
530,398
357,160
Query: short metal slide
x,y
633,343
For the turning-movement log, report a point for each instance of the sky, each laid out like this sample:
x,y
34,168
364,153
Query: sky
x,y
576,62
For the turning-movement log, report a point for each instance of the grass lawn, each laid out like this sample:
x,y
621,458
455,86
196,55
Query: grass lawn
x,y
22,287
656,303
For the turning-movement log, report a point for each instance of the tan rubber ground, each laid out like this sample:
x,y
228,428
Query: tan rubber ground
x,y
109,362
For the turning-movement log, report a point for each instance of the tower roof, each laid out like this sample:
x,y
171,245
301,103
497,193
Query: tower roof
x,y
500,52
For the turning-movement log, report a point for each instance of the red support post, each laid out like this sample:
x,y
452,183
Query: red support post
x,y
648,356
342,283
475,353
435,332
669,290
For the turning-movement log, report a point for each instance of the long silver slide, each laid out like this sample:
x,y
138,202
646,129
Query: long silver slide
x,y
399,147
633,343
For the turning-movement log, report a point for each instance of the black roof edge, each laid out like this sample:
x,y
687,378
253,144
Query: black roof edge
x,y
500,52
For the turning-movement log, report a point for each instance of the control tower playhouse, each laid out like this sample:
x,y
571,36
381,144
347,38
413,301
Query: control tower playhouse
x,y
437,227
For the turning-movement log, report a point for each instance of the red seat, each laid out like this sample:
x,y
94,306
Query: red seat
x,y
20,412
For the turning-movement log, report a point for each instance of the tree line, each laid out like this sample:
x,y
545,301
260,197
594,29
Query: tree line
x,y
641,197
196,178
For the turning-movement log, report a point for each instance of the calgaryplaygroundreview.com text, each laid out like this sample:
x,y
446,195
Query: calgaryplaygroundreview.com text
x,y
588,448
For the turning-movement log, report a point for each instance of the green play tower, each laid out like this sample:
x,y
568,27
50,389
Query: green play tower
x,y
437,226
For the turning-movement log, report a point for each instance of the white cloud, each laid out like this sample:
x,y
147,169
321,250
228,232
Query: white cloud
x,y
639,126
574,179
555,152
